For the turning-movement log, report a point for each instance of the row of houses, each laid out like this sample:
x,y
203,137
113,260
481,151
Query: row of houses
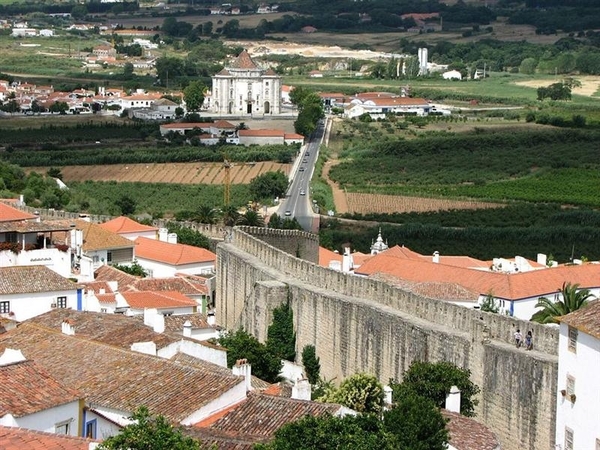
x,y
210,133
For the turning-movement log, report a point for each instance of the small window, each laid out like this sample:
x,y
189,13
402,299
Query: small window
x,y
108,257
90,429
573,339
569,439
61,302
4,307
62,427
570,385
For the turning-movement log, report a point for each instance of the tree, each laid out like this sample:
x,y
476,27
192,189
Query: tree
x,y
281,338
241,345
573,298
126,204
268,185
206,214
188,236
362,392
434,380
528,66
362,432
59,107
134,269
416,423
149,433
193,95
251,219
556,91
230,215
128,71
311,363
490,304
54,172
168,67
78,12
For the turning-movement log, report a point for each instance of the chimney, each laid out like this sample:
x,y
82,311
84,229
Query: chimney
x,y
243,368
172,238
436,257
301,389
162,234
11,356
542,259
21,200
101,291
159,323
67,327
346,260
387,395
187,328
453,400
211,319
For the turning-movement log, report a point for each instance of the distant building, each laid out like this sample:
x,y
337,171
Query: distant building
x,y
452,75
244,89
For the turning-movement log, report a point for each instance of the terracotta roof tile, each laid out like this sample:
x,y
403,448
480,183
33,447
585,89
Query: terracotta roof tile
x,y
326,256
27,388
111,329
514,286
12,438
175,323
586,319
124,224
120,379
468,434
293,136
174,254
259,416
9,214
160,300
261,133
97,238
30,279
243,61
108,273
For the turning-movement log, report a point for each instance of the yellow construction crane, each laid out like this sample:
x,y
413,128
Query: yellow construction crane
x,y
227,181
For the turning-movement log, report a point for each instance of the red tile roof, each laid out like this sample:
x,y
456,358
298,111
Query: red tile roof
x,y
468,434
224,124
27,388
514,286
586,319
243,61
260,415
293,136
174,254
398,101
12,438
326,256
115,378
30,279
160,300
10,214
124,224
261,133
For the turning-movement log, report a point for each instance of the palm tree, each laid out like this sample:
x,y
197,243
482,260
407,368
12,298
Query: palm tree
x,y
252,219
230,215
573,299
206,214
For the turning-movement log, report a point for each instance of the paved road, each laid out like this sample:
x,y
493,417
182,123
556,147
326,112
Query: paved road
x,y
297,202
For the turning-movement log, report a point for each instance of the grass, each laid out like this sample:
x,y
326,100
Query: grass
x,y
320,190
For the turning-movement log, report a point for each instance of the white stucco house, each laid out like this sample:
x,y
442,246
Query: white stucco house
x,y
165,259
27,291
578,386
29,242
32,398
452,75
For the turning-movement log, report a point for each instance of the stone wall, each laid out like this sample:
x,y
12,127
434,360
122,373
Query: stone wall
x,y
359,324
300,244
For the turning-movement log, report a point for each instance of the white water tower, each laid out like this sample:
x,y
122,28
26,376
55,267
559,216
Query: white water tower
x,y
422,55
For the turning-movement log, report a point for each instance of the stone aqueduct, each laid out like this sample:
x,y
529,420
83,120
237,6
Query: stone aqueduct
x,y
362,325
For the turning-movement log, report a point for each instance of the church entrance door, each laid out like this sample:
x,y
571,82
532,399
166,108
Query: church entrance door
x,y
267,108
249,108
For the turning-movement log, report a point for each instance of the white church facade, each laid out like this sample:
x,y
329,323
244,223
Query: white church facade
x,y
244,89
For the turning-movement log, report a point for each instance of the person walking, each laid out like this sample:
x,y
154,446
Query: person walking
x,y
518,338
529,341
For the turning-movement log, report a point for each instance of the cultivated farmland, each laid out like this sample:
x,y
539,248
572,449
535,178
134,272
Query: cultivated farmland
x,y
360,203
181,173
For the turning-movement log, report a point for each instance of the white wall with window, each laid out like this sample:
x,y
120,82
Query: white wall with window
x,y
578,390
24,306
62,419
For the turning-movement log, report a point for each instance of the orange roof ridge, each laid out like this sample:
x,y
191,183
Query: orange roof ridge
x,y
124,224
174,254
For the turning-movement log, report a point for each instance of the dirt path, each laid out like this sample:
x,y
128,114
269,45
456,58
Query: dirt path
x,y
339,196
